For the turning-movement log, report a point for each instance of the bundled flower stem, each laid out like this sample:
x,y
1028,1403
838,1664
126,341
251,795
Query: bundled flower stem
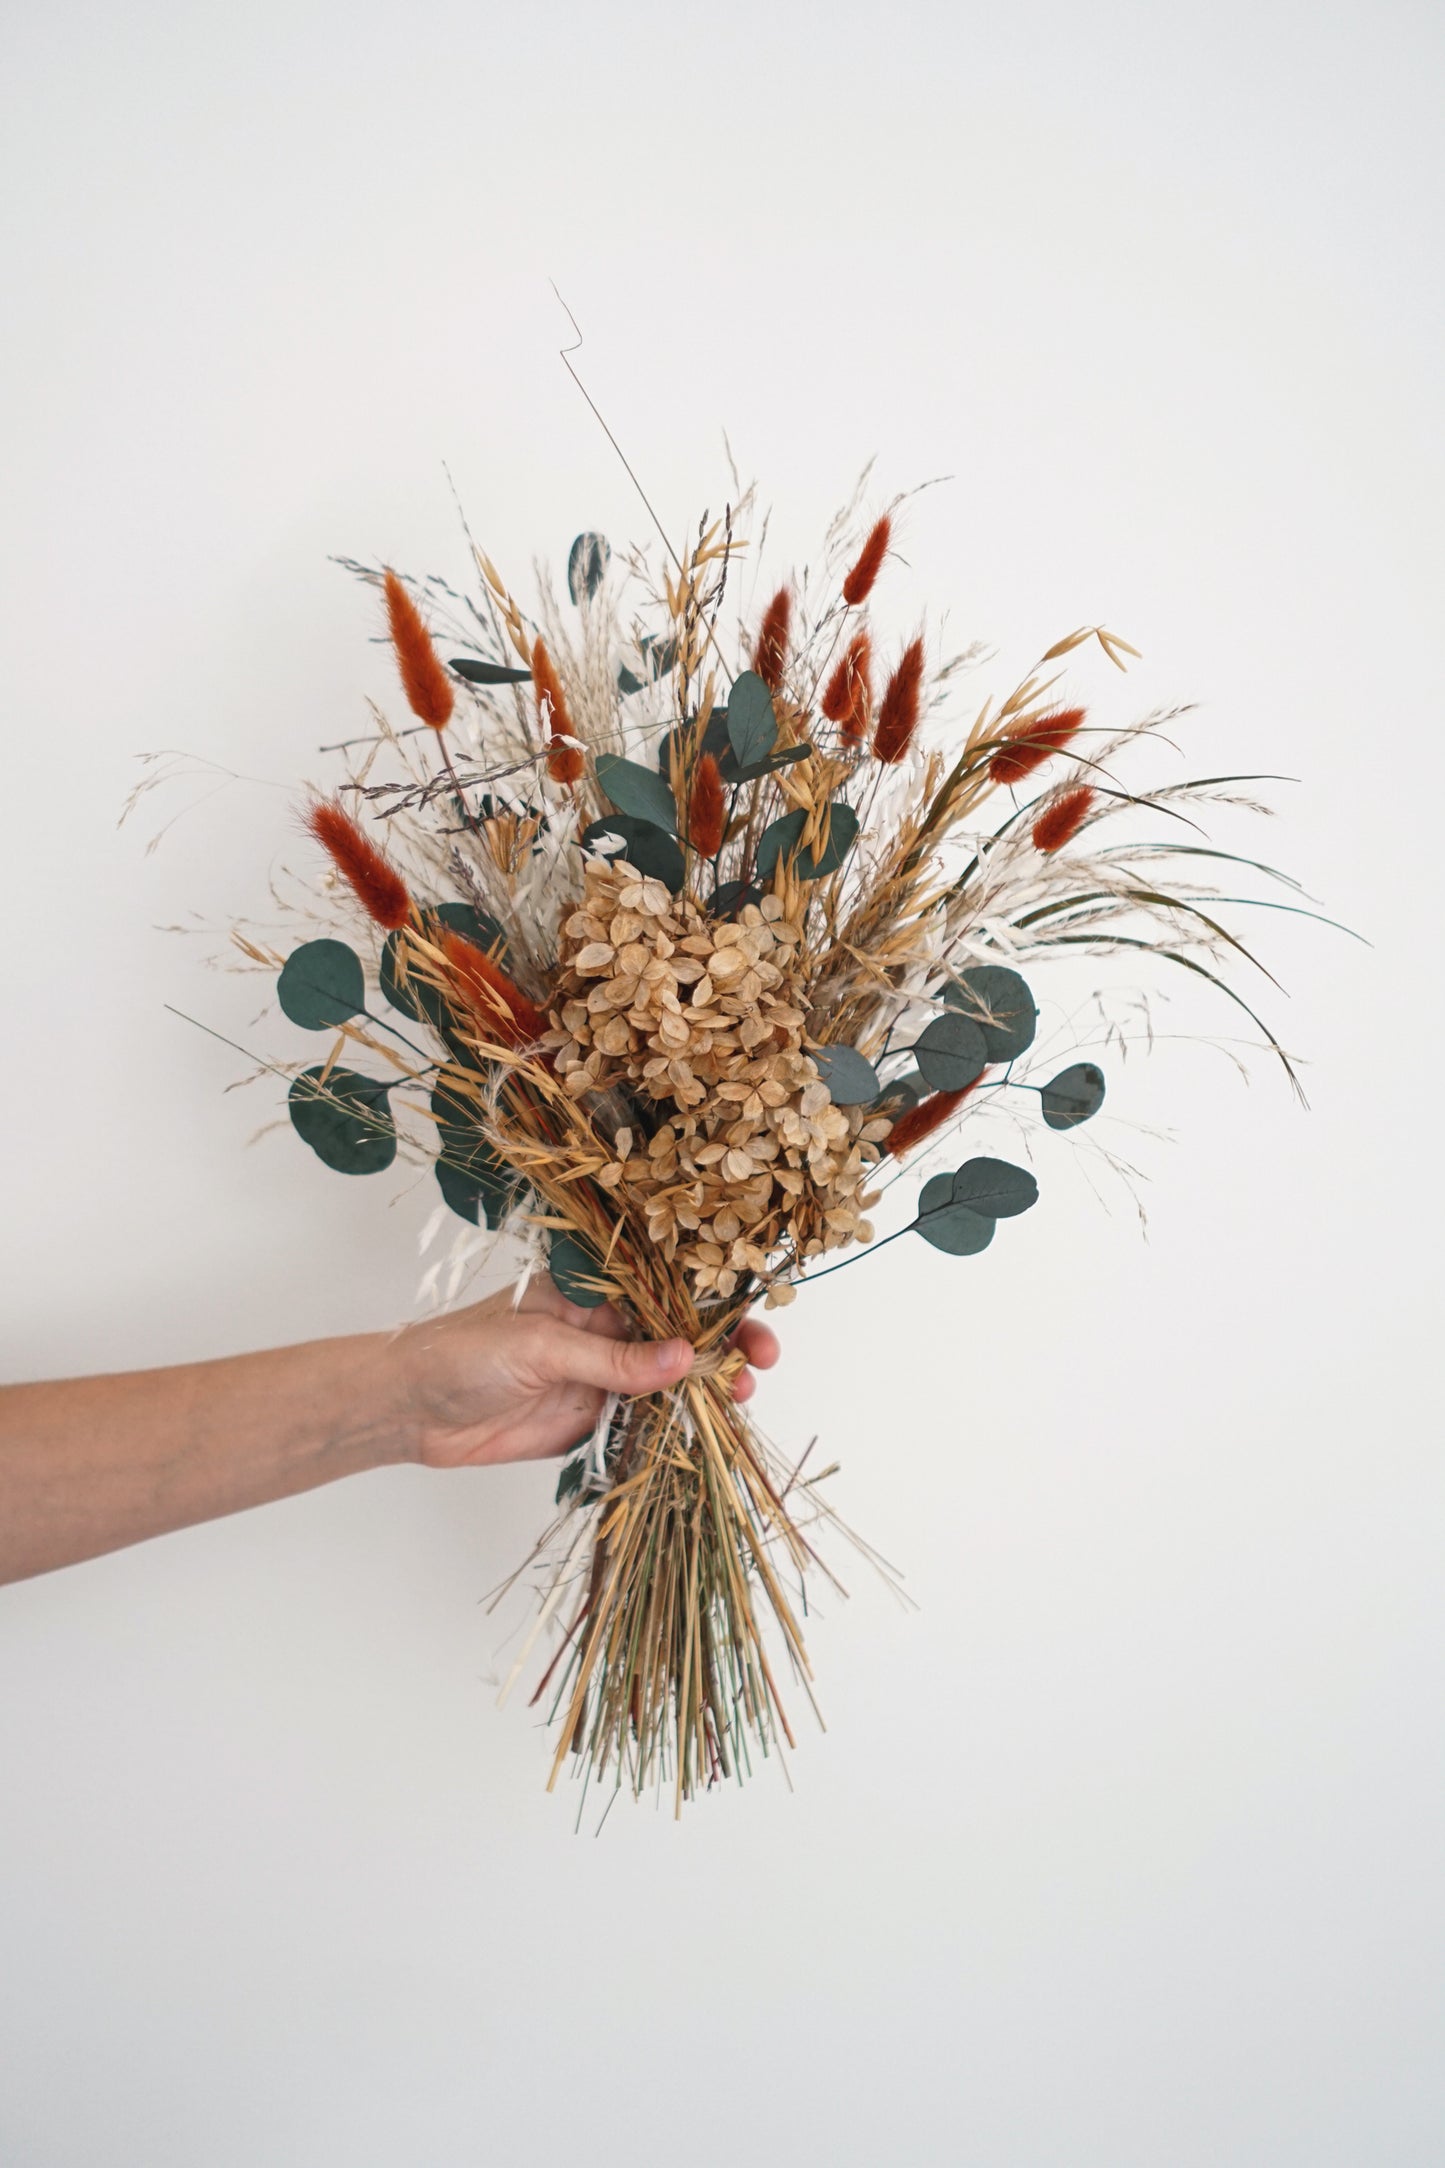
x,y
698,961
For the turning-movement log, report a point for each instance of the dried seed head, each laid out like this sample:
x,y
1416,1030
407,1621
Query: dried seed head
x,y
378,887
859,583
424,679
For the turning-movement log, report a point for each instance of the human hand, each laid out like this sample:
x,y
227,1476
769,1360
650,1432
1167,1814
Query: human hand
x,y
495,1383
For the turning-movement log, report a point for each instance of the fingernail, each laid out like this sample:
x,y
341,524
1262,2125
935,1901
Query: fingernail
x,y
671,1353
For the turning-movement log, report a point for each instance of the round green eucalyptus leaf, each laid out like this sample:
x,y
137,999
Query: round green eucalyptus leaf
x,y
936,1192
781,839
646,846
477,672
587,562
1073,1095
474,1193
714,741
994,1188
851,1081
322,985
729,897
782,757
951,1053
842,835
572,1268
570,1479
999,1002
904,1092
472,1179
955,1228
346,1121
658,658
635,789
752,725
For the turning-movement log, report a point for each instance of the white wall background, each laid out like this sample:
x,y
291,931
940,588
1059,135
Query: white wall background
x,y
1126,1849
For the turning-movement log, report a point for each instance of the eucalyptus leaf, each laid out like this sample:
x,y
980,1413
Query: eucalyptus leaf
x,y
999,1002
477,672
781,839
782,756
1073,1095
474,1182
714,741
995,1188
346,1120
904,1092
587,562
572,1267
954,1228
660,657
851,1081
570,1480
951,1053
635,789
646,846
729,897
752,724
322,985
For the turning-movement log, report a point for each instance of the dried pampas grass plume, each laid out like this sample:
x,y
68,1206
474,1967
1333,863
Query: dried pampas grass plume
x,y
849,694
707,809
1028,745
378,887
921,1121
901,706
1060,822
505,1010
859,584
424,680
770,655
565,763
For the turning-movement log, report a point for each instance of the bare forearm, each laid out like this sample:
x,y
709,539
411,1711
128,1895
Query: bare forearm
x,y
90,1464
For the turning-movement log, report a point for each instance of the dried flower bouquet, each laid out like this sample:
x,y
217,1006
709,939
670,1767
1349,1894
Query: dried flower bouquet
x,y
697,937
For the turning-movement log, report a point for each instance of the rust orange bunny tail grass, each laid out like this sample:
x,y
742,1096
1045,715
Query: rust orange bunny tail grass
x,y
922,1120
1028,745
565,763
379,888
901,706
848,698
505,1010
1060,822
770,656
707,809
859,584
424,680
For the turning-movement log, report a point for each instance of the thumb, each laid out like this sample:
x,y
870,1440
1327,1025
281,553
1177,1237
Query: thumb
x,y
562,1354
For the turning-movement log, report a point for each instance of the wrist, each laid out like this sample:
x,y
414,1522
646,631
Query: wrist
x,y
376,1421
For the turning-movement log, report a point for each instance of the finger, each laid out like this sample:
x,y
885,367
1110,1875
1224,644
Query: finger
x,y
745,1385
759,1343
563,1354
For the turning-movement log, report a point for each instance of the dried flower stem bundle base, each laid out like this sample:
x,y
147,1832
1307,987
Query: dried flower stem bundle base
x,y
693,956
